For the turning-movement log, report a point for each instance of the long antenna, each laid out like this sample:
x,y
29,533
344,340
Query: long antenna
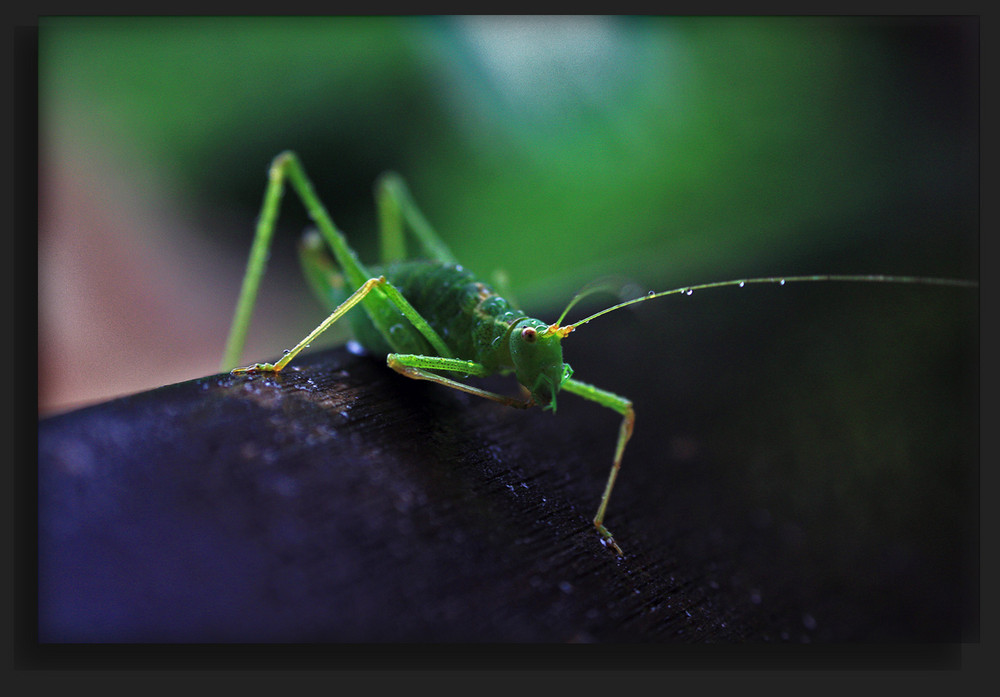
x,y
780,280
608,284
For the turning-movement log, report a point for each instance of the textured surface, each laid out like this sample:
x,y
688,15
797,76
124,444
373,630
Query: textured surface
x,y
343,502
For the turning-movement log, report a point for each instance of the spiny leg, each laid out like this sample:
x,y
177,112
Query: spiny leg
x,y
286,166
624,407
419,367
392,243
356,297
396,206
256,265
373,284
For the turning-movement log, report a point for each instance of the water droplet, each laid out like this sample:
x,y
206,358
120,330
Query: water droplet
x,y
781,282
651,293
286,352
742,284
689,292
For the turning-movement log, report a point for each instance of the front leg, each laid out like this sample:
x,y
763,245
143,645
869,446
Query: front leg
x,y
624,407
420,367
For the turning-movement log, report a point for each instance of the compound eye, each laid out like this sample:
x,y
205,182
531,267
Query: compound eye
x,y
529,334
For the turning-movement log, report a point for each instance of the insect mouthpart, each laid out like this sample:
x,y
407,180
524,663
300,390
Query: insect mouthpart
x,y
554,328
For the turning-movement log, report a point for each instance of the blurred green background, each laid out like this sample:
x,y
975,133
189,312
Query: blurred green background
x,y
668,151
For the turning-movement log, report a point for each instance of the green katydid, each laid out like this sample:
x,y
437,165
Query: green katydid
x,y
431,316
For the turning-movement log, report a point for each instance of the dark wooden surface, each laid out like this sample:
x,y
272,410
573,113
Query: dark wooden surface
x,y
769,494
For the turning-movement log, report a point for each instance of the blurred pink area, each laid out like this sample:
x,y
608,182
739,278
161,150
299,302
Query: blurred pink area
x,y
128,300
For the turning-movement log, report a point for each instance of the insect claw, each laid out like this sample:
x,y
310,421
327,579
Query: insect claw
x,y
254,369
608,541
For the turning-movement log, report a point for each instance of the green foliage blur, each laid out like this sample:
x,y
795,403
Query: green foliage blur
x,y
671,150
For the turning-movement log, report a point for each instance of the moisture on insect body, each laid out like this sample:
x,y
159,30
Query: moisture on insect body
x,y
432,318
